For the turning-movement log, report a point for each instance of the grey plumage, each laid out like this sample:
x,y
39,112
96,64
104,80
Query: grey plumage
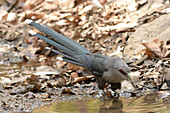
x,y
105,69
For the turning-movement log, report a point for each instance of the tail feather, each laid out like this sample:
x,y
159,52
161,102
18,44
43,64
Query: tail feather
x,y
72,61
69,49
53,43
63,54
68,58
61,39
68,55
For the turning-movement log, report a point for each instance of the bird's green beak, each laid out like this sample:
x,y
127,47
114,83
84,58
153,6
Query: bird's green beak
x,y
128,76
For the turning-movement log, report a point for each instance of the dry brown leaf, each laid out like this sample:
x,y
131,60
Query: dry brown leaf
x,y
34,81
135,75
30,4
166,51
66,4
124,36
3,15
102,1
46,70
34,15
130,5
85,78
154,47
167,54
49,6
60,64
74,75
119,27
86,9
73,67
62,22
29,52
68,90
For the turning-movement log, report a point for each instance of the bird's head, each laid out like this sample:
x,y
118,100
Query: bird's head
x,y
121,67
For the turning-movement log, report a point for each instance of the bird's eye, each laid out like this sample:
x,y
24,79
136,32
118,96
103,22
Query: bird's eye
x,y
123,72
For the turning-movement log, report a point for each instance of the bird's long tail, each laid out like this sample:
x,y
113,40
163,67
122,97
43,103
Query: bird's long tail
x,y
68,48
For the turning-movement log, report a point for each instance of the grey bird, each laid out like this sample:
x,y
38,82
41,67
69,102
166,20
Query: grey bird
x,y
106,69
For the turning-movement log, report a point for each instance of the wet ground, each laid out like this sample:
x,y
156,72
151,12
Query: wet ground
x,y
29,85
145,104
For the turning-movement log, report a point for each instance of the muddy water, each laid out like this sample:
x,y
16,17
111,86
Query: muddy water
x,y
145,104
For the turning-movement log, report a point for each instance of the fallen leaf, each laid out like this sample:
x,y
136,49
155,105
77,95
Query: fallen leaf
x,y
66,4
28,52
153,47
46,70
68,90
74,75
85,78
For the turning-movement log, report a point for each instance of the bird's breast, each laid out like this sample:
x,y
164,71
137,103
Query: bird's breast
x,y
113,76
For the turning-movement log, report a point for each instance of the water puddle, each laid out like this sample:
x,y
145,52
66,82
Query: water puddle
x,y
145,104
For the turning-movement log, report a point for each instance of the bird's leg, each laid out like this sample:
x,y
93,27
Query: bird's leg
x,y
115,86
116,94
104,94
101,83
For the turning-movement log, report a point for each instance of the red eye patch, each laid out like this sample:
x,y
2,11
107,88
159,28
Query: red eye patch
x,y
124,73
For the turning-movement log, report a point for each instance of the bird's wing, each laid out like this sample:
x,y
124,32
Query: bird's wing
x,y
94,62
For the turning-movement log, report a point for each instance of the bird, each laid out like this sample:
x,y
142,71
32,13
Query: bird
x,y
106,69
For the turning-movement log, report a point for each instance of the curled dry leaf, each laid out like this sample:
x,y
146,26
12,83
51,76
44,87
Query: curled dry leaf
x,y
154,47
73,67
85,78
68,90
74,75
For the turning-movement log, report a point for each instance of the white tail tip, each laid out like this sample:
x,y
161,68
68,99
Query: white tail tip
x,y
47,48
32,32
28,21
60,58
